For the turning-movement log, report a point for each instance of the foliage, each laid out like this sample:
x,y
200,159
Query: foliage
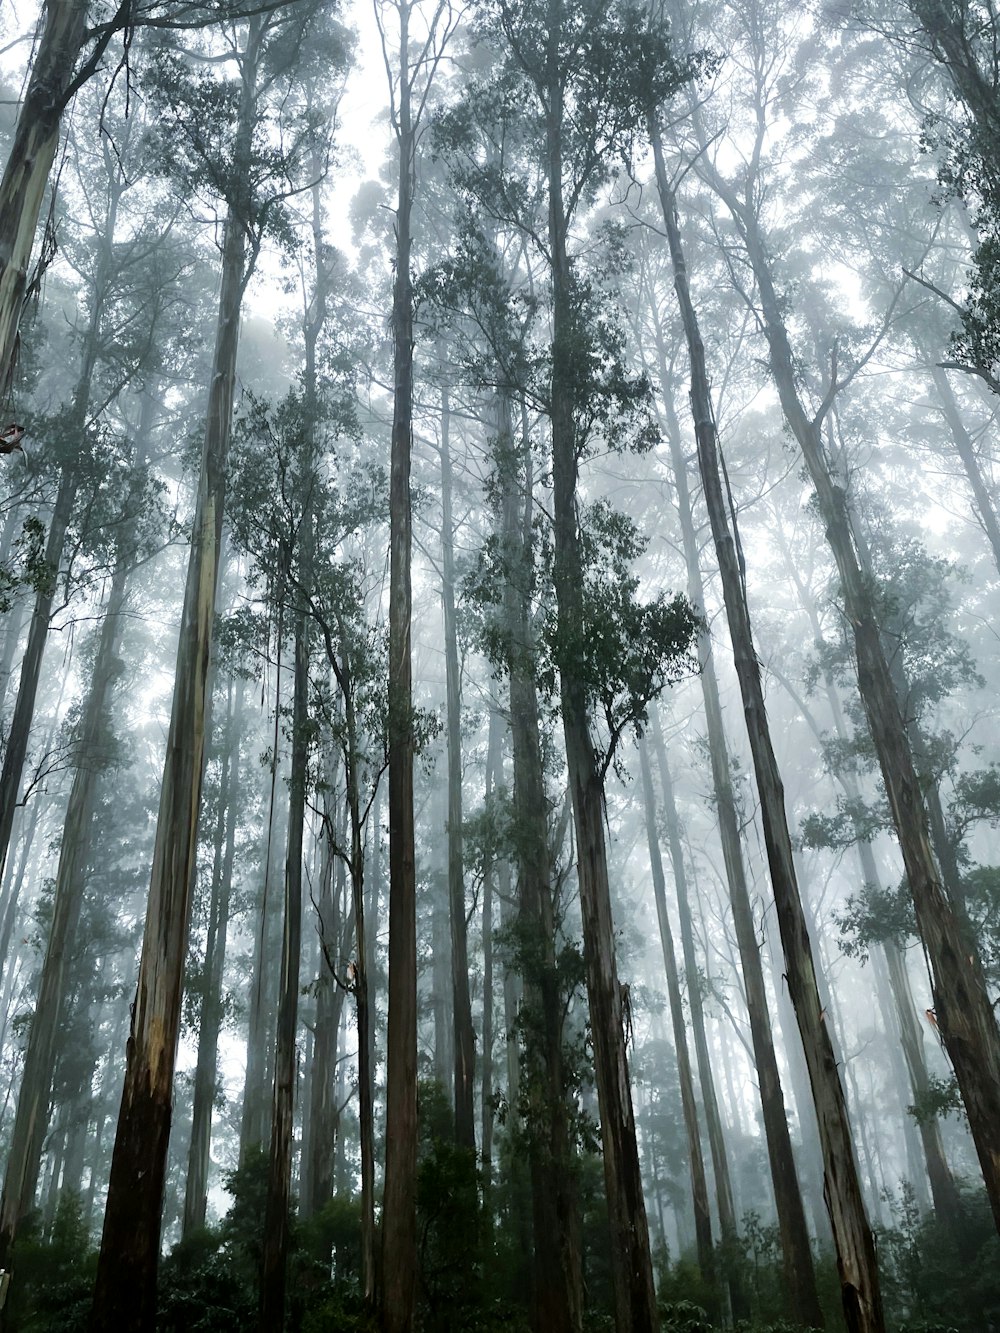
x,y
940,1098
939,1276
875,915
51,1289
451,1228
28,568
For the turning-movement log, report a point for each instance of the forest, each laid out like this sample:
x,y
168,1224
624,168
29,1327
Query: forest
x,y
499,619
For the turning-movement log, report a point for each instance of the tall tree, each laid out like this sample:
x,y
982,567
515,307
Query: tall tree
x,y
419,54
464,1034
855,1244
965,1012
253,182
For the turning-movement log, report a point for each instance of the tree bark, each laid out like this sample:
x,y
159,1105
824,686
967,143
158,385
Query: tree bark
x,y
31,664
271,1313
985,508
557,1303
797,1257
32,1113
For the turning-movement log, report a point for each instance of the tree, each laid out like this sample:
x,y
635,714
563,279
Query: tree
x,y
126,1280
855,1244
579,68
408,97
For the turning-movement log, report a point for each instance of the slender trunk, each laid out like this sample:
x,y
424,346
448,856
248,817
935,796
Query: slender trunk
x,y
852,1234
706,1077
965,1014
441,979
271,1315
206,1067
31,1116
797,1257
36,138
255,1128
631,1263
699,1185
13,624
558,1275
943,1190
464,1035
493,767
399,1202
31,664
125,1292
985,508
318,1145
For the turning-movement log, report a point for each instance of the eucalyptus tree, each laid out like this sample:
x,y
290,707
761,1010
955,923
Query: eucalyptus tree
x,y
125,290
566,98
796,1252
856,1259
220,144
464,1033
699,1183
212,999
423,34
139,529
965,1013
298,501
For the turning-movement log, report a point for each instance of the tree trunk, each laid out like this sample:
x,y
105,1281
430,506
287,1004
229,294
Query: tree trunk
x,y
943,1190
271,1315
631,1263
125,1293
699,1185
32,1114
493,767
206,1068
965,1014
399,1201
464,1034
713,1120
32,153
852,1235
985,508
796,1252
31,664
557,1303
255,1124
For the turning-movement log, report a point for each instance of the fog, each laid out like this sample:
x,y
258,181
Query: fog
x,y
499,561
